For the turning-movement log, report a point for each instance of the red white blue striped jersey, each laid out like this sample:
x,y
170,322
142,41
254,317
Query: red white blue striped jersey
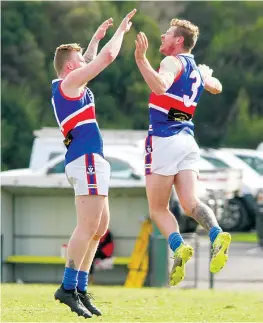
x,y
173,111
77,116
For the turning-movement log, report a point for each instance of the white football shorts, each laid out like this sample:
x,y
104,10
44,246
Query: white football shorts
x,y
170,155
89,175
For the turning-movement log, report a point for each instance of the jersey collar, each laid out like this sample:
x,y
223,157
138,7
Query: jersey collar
x,y
56,80
187,55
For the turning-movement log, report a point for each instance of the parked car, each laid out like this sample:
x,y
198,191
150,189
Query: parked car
x,y
260,146
252,182
123,166
252,158
126,163
241,211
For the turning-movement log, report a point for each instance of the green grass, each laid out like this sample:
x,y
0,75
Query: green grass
x,y
250,237
244,237
35,303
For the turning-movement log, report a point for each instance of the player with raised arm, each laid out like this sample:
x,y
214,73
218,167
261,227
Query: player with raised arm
x,y
86,169
171,152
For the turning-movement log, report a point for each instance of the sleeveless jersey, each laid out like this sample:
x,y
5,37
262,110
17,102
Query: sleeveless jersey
x,y
77,121
173,111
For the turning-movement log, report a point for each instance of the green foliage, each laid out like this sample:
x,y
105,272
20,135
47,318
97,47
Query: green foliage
x,y
31,32
229,43
19,115
245,130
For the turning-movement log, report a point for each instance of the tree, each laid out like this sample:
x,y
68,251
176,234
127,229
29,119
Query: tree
x,y
245,130
31,32
232,49
18,122
229,43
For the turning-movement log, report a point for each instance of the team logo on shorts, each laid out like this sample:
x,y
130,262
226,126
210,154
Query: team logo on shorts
x,y
90,170
149,149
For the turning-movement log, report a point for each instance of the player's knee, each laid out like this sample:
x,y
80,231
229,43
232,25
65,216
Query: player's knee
x,y
157,212
189,205
97,237
85,233
100,233
187,210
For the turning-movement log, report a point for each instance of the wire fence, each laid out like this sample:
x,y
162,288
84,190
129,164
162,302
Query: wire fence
x,y
244,269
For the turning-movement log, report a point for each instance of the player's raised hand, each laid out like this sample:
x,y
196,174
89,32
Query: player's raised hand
x,y
101,31
141,46
126,23
205,70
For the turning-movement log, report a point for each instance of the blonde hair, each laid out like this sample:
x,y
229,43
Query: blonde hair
x,y
186,29
62,53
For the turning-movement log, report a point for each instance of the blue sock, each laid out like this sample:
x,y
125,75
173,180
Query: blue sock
x,y
70,278
174,240
213,233
83,279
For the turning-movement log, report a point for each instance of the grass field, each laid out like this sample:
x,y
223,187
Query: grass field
x,y
35,303
244,237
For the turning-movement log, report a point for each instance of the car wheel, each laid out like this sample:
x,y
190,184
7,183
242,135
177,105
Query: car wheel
x,y
183,224
235,217
191,225
186,223
180,217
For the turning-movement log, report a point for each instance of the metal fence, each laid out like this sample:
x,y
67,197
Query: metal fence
x,y
244,269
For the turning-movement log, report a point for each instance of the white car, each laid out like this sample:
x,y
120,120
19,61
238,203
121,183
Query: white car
x,y
124,165
260,146
253,158
244,207
252,181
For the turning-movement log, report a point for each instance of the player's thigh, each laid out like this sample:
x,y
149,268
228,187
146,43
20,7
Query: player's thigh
x,y
89,176
104,220
186,186
89,210
158,190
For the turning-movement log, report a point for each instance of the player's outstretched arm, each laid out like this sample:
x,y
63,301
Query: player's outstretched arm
x,y
170,67
107,55
212,84
100,33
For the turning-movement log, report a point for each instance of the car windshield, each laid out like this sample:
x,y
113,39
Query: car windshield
x,y
117,165
216,162
254,162
59,168
119,168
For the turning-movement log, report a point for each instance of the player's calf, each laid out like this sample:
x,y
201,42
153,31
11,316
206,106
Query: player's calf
x,y
220,240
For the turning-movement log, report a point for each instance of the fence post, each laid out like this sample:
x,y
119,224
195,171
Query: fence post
x,y
259,222
2,255
211,275
158,266
196,260
214,207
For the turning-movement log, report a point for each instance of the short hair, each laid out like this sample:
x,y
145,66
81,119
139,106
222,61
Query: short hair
x,y
186,29
62,53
